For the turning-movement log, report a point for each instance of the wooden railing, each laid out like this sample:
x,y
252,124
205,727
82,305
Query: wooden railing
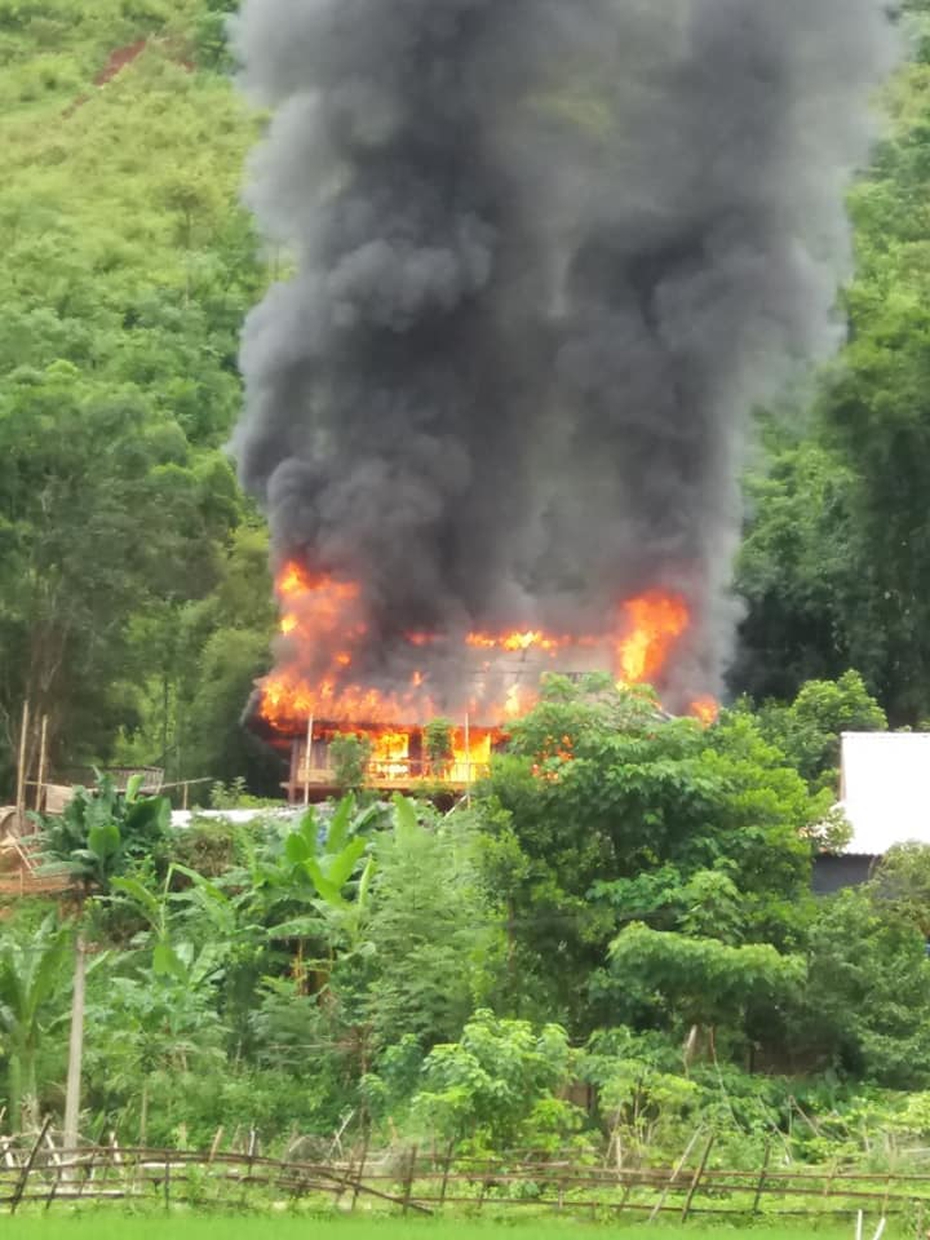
x,y
401,773
406,1180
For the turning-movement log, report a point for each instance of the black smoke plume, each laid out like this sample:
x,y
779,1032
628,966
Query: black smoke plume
x,y
547,255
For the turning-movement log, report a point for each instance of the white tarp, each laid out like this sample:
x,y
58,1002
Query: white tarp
x,y
241,817
885,789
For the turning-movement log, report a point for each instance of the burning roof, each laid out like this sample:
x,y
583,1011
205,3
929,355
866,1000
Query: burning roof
x,y
326,670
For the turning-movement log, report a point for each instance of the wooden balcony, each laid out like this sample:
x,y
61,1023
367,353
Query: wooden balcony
x,y
398,775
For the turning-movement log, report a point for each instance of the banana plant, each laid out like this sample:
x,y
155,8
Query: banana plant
x,y
329,860
102,830
173,956
33,1004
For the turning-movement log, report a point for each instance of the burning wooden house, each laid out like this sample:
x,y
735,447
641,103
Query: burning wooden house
x,y
397,759
334,678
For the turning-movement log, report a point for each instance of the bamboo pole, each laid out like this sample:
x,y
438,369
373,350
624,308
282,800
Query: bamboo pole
x,y
27,1166
411,1172
697,1178
360,1174
307,764
75,1046
21,769
43,762
445,1172
676,1172
760,1187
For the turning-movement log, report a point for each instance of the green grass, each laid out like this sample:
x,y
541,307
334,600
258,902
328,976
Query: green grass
x,y
113,1224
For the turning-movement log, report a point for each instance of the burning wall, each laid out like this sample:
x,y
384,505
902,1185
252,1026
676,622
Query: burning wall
x,y
547,258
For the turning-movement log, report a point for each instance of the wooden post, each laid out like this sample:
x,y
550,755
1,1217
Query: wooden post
x,y
697,1178
676,1172
445,1172
760,1187
27,1167
85,1180
43,762
888,1184
361,1168
627,1193
21,770
75,1047
309,757
408,1186
59,1165
216,1143
467,759
167,1181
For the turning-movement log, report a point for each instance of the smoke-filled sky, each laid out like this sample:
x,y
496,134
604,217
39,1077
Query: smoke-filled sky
x,y
548,254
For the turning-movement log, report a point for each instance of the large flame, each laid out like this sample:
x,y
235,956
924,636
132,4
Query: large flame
x,y
325,632
398,757
654,623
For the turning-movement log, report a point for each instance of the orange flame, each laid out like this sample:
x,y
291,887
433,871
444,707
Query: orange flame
x,y
706,709
534,639
654,622
421,639
390,755
325,626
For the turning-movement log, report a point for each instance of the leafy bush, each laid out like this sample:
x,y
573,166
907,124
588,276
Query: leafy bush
x,y
495,1088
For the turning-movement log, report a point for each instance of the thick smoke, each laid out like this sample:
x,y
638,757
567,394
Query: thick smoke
x,y
548,255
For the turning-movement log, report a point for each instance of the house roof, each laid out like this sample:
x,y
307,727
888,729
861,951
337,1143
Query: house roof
x,y
885,789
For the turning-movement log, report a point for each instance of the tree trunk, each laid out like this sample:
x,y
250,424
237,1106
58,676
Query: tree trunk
x,y
29,1088
15,1084
76,1048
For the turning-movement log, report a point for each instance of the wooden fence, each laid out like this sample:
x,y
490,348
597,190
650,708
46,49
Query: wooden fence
x,y
409,1181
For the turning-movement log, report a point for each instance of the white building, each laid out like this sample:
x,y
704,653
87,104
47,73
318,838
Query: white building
x,y
885,795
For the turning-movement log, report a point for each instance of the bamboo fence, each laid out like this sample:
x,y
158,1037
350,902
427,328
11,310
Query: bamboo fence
x,y
410,1181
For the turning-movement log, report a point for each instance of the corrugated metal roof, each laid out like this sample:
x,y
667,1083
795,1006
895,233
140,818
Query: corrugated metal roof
x,y
885,789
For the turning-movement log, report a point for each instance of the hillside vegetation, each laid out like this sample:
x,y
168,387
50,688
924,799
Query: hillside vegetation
x,y
135,596
623,912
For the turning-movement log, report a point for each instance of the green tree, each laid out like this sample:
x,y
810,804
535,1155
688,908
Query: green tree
x,y
836,562
794,566
351,754
436,936
495,1086
866,1005
701,982
616,808
902,883
437,744
809,731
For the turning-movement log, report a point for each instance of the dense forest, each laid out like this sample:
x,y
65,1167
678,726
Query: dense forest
x,y
625,903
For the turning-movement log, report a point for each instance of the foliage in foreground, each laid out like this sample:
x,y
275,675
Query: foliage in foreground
x,y
613,944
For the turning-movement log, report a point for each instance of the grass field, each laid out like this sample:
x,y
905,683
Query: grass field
x,y
110,1224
